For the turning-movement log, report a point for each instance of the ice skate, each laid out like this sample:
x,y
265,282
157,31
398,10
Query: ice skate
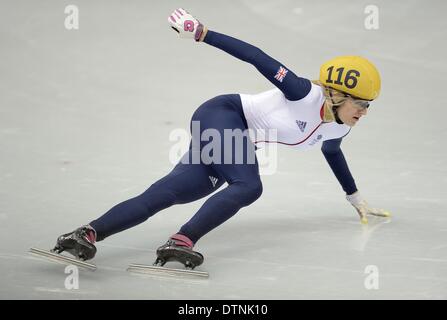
x,y
179,249
79,243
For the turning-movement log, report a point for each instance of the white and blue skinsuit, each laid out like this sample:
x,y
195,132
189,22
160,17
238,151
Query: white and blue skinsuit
x,y
293,108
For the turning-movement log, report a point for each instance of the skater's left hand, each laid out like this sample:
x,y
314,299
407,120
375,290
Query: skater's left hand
x,y
186,25
364,209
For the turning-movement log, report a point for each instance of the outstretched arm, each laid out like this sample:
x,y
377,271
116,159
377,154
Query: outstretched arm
x,y
293,87
336,160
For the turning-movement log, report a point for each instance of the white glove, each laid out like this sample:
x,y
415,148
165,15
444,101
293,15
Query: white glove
x,y
364,209
186,25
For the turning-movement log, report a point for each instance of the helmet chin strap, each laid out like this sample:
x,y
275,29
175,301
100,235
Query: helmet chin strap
x,y
334,110
337,118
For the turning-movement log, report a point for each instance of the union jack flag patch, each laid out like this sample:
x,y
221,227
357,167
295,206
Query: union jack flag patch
x,y
281,74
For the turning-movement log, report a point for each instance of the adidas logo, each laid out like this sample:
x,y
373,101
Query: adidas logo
x,y
301,125
213,180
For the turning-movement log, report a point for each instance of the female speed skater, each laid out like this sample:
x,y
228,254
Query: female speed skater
x,y
304,114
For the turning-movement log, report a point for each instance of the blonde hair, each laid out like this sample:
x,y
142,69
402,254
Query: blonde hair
x,y
334,99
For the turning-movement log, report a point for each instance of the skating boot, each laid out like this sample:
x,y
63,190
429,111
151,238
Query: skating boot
x,y
79,243
179,248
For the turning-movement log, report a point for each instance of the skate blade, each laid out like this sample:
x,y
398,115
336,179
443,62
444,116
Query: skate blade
x,y
148,269
56,257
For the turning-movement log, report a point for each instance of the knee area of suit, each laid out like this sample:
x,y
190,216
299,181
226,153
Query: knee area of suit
x,y
249,191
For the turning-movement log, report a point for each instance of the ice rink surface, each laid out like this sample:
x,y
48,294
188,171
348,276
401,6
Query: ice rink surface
x,y
85,119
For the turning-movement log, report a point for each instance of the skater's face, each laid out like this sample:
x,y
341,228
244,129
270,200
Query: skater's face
x,y
351,111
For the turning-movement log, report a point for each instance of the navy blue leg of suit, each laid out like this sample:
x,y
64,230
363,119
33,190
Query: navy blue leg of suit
x,y
190,181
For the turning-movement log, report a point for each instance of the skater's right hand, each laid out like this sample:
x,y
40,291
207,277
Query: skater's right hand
x,y
186,25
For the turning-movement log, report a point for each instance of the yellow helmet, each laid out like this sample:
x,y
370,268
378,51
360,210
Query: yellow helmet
x,y
353,75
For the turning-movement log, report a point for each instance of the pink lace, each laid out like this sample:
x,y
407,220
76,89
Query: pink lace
x,y
182,240
91,235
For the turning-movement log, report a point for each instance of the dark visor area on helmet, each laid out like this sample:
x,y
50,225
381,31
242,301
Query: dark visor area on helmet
x,y
360,102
